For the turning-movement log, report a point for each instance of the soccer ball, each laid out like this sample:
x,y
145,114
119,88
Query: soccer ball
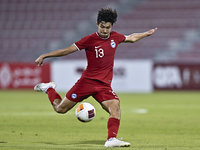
x,y
85,112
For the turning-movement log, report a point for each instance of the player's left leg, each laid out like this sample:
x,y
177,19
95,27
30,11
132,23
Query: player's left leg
x,y
113,108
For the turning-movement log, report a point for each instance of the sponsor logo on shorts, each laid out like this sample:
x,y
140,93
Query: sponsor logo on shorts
x,y
113,93
74,96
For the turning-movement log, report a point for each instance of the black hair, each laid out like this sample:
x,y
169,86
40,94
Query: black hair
x,y
107,15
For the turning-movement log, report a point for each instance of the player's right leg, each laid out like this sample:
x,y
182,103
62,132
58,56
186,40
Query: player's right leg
x,y
63,106
60,105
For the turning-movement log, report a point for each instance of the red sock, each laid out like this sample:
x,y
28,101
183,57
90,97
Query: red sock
x,y
52,94
113,126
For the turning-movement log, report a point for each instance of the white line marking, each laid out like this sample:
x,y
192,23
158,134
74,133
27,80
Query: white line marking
x,y
140,111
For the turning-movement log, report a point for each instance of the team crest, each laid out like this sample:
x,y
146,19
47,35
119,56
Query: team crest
x,y
113,44
74,96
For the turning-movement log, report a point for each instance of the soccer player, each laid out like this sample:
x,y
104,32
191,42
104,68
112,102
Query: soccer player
x,y
96,80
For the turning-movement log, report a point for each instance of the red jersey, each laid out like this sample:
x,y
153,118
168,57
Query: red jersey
x,y
100,54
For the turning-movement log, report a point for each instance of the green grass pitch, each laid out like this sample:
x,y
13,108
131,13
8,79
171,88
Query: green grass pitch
x,y
156,121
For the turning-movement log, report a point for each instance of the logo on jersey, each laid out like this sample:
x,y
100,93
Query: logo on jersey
x,y
113,44
97,46
74,96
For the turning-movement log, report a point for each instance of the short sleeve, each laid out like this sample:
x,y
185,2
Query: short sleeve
x,y
120,37
82,43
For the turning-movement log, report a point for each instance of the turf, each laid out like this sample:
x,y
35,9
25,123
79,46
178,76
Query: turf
x,y
156,121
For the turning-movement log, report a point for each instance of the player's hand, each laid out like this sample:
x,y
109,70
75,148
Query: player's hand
x,y
39,61
150,32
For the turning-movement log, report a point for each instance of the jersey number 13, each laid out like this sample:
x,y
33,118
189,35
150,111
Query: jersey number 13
x,y
99,52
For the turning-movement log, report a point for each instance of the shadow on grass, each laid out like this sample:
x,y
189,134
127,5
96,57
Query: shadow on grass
x,y
85,142
95,142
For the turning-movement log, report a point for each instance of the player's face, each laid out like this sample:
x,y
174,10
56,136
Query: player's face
x,y
104,29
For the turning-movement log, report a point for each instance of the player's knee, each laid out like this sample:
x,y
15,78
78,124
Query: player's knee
x,y
115,114
115,111
113,108
61,110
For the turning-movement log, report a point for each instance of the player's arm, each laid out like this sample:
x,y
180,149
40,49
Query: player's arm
x,y
137,36
58,53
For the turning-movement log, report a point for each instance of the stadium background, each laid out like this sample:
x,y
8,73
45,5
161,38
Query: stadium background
x,y
29,28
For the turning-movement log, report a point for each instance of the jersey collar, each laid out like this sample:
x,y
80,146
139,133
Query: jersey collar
x,y
101,37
